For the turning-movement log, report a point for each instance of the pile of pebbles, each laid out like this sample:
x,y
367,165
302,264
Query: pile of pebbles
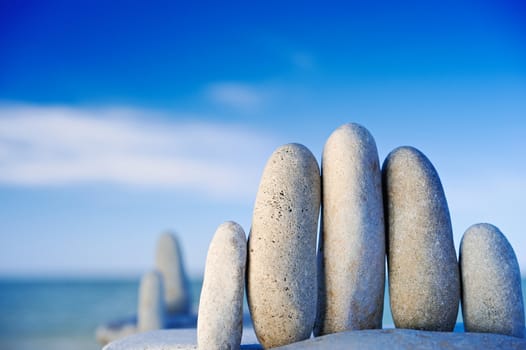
x,y
400,211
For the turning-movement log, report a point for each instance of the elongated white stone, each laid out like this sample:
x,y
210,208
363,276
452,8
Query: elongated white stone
x,y
220,320
351,256
150,313
424,284
281,277
169,261
491,283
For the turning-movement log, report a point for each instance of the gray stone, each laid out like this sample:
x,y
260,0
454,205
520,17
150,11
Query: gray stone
x,y
351,256
220,320
407,339
281,270
424,283
150,313
173,339
491,283
169,261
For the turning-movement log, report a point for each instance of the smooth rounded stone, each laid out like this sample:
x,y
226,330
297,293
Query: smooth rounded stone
x,y
408,339
172,339
491,283
424,283
220,319
169,261
281,270
150,313
351,256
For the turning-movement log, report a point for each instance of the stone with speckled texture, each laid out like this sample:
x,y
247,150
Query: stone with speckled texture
x,y
281,267
351,256
491,283
424,283
220,320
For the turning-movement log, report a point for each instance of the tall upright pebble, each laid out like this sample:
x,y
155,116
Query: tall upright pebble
x,y
491,283
169,261
150,313
351,256
220,319
281,270
424,283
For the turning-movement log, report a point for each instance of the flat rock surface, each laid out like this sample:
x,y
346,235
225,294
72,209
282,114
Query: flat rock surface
x,y
121,328
401,339
172,339
395,339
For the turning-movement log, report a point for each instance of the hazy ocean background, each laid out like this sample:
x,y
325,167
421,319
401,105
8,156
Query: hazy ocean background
x,y
58,314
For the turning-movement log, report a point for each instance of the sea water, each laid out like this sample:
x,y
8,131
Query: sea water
x,y
61,314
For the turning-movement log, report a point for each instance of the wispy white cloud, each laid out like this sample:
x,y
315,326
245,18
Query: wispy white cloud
x,y
236,95
42,146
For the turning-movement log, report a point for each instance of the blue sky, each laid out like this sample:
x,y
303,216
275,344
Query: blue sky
x,y
119,120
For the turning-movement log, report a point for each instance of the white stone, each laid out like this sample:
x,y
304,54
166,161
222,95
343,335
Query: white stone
x,y
351,256
491,283
169,261
220,319
150,313
281,276
424,282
